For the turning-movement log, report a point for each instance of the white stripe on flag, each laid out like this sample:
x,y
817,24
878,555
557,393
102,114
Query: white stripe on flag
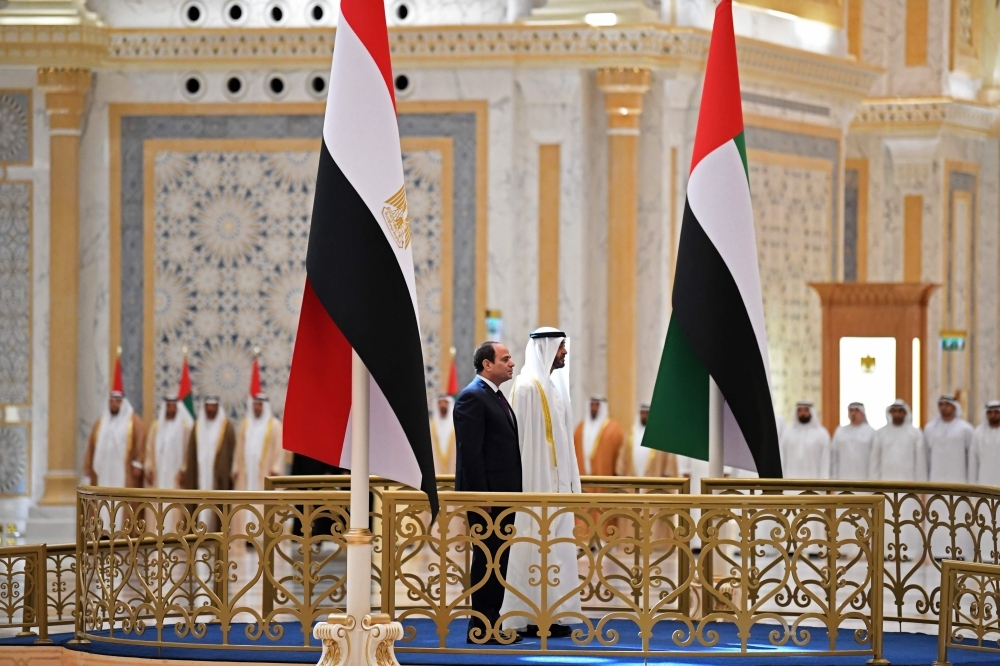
x,y
390,454
719,196
362,136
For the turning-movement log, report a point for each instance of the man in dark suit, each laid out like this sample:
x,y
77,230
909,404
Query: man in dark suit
x,y
488,461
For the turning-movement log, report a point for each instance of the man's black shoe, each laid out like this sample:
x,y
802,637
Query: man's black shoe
x,y
555,631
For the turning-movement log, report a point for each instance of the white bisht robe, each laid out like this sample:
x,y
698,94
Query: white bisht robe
x,y
805,449
851,452
111,452
443,438
984,456
948,444
165,451
899,454
984,470
541,403
640,453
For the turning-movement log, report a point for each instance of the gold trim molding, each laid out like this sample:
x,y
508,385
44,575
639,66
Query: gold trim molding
x,y
920,115
652,46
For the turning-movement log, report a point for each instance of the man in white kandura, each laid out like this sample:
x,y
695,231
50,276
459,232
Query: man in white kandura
x,y
443,435
258,446
984,455
899,454
165,446
852,446
949,438
805,446
541,402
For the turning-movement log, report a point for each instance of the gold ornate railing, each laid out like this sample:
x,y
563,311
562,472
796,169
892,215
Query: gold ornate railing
x,y
160,567
378,485
22,590
638,569
970,619
924,524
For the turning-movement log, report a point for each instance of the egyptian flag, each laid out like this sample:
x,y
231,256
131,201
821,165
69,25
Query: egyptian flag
x,y
360,291
717,325
184,395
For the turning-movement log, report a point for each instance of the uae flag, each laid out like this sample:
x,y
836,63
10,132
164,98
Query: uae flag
x,y
717,325
360,291
184,389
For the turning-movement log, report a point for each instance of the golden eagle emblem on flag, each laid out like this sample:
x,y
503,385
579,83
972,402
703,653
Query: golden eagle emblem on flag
x,y
397,219
868,364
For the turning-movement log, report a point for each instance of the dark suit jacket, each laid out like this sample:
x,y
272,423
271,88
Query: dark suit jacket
x,y
489,456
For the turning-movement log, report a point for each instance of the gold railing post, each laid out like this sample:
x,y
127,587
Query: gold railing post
x,y
78,593
944,617
878,582
41,603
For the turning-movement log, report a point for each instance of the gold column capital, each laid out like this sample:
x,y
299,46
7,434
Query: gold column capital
x,y
65,88
623,88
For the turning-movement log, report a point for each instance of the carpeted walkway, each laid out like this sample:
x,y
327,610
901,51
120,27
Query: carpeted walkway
x,y
901,649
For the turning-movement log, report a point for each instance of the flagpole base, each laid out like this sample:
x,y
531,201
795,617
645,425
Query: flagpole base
x,y
346,644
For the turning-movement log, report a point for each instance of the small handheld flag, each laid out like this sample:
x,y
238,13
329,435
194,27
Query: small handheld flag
x,y
717,325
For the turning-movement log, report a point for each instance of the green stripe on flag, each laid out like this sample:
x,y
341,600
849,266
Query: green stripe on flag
x,y
189,404
741,145
678,413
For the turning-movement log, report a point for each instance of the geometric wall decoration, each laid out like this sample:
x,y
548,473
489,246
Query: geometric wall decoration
x,y
134,128
13,459
231,228
792,218
15,293
15,127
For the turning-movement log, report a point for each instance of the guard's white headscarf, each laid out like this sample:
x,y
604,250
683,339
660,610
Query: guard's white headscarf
x,y
859,406
992,404
813,420
112,443
170,443
443,425
543,345
899,403
950,399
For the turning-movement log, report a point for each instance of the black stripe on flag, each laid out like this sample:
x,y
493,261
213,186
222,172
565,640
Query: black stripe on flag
x,y
710,311
357,278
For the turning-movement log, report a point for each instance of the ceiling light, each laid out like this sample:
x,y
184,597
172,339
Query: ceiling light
x,y
598,19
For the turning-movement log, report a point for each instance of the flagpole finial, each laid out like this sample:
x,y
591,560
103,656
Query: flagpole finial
x,y
452,351
184,350
119,350
256,351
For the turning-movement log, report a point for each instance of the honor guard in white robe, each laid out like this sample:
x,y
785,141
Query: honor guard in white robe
x,y
851,448
259,453
636,459
899,454
165,446
805,445
541,402
114,456
898,451
984,454
443,435
949,438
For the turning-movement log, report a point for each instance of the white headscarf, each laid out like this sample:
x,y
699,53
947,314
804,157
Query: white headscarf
x,y
538,358
813,419
861,407
112,445
443,425
908,420
170,443
950,399
208,433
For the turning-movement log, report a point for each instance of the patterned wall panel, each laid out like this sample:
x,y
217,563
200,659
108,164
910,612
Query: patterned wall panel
x,y
851,213
231,231
792,218
15,288
135,130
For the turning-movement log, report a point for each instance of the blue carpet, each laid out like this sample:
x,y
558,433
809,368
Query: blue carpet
x,y
901,649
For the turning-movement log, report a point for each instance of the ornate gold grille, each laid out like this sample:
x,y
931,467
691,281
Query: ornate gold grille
x,y
22,590
970,601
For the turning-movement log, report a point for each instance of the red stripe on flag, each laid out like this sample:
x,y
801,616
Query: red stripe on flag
x,y
318,402
367,19
720,118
